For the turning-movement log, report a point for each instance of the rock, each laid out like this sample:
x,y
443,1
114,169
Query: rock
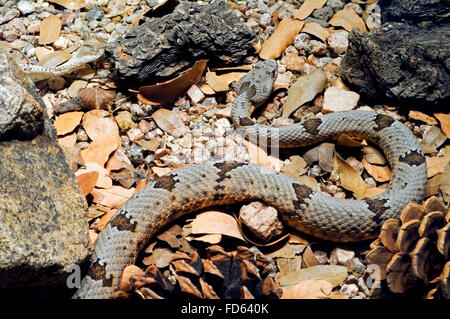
x,y
96,13
195,94
162,47
338,41
342,257
125,121
437,11
325,13
336,100
318,48
26,7
400,64
349,290
336,5
262,220
43,230
323,23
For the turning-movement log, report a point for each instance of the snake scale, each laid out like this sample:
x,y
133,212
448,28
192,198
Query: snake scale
x,y
194,187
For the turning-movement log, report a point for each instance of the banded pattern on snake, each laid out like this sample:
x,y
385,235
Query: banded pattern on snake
x,y
198,186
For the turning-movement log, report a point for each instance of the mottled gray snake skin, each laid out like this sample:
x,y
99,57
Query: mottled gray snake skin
x,y
194,187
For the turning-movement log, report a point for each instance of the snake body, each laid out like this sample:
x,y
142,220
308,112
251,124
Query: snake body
x,y
194,187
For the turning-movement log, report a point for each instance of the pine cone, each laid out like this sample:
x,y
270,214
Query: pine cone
x,y
413,252
245,274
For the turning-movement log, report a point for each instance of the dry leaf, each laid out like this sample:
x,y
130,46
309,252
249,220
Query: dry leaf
x,y
169,91
103,180
374,191
288,265
41,52
316,30
75,87
99,150
296,167
206,89
67,122
105,219
258,155
49,29
379,173
210,238
334,274
281,38
349,141
310,182
304,89
55,59
433,185
129,271
419,116
433,137
215,222
289,251
348,19
87,181
444,119
170,122
68,140
326,154
98,123
160,171
445,183
308,289
114,197
435,165
70,4
350,178
373,156
220,83
151,145
307,8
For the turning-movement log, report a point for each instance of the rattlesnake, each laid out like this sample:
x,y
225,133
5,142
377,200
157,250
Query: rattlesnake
x,y
193,187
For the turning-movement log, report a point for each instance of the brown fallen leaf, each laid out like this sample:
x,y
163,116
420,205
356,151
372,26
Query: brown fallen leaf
x,y
67,122
258,155
289,251
375,190
99,150
445,183
436,165
304,89
170,122
444,119
308,289
348,19
70,4
55,59
117,161
68,140
87,181
310,182
215,222
220,83
288,265
114,197
349,141
296,167
105,219
75,87
379,173
419,116
41,52
307,8
98,123
316,30
207,90
433,185
160,171
373,156
103,180
210,238
350,178
96,98
129,271
161,257
169,91
49,29
433,138
281,38
334,274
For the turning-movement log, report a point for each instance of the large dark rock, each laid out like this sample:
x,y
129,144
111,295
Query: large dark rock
x,y
400,63
415,11
43,229
162,47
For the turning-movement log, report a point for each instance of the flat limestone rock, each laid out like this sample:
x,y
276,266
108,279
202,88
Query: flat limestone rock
x,y
43,229
163,47
401,64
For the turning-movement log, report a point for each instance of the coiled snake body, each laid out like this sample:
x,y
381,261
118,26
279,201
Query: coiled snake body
x,y
194,187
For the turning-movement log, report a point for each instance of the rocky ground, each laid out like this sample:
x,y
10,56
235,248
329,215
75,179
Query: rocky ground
x,y
120,126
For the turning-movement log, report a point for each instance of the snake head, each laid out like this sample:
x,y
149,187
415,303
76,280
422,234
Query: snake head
x,y
258,83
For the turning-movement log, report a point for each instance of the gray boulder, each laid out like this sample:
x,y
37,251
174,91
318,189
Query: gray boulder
x,y
43,230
